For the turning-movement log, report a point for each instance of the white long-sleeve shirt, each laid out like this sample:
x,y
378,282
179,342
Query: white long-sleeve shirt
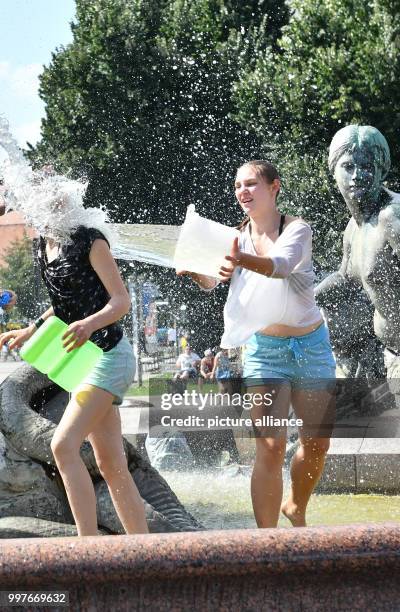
x,y
256,301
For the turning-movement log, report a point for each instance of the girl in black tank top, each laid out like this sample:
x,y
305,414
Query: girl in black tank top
x,y
87,292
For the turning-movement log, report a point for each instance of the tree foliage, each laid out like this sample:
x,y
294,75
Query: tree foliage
x,y
141,104
337,62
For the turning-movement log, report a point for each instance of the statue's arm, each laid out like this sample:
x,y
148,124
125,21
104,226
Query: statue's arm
x,y
332,280
389,220
338,278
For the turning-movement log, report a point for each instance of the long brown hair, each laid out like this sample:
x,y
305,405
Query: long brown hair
x,y
266,171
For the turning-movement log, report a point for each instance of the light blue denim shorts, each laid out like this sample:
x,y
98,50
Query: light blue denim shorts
x,y
115,370
305,362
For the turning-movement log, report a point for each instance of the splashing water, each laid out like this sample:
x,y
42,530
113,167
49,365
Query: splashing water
x,y
51,203
220,499
153,244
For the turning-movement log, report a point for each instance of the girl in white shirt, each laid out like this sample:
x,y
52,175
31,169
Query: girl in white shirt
x,y
272,311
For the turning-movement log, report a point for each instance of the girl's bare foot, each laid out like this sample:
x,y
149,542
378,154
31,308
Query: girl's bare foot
x,y
293,514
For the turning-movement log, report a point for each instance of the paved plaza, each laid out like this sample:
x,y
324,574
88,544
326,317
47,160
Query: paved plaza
x,y
8,367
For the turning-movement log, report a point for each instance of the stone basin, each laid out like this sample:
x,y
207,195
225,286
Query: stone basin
x,y
337,568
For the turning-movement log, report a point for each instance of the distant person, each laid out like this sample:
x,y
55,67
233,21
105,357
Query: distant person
x,y
183,341
171,336
222,371
187,364
206,368
8,299
2,198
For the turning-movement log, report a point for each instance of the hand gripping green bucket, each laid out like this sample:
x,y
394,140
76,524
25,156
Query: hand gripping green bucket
x,y
45,351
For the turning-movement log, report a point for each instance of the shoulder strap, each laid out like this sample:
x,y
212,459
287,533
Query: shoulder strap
x,y
282,223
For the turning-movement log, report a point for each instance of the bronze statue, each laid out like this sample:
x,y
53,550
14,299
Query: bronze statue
x,y
359,159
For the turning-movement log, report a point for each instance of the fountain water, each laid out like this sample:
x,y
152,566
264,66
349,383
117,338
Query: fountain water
x,y
50,203
220,499
152,244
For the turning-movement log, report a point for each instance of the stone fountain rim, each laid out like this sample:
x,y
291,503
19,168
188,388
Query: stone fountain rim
x,y
262,552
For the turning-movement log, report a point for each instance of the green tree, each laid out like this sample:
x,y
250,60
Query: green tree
x,y
22,276
336,63
141,104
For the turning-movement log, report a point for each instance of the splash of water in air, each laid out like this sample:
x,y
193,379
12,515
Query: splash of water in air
x,y
50,203
53,205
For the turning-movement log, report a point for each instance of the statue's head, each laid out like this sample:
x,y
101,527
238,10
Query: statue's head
x,y
359,159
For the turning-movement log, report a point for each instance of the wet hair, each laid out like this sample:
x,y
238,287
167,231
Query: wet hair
x,y
354,137
266,171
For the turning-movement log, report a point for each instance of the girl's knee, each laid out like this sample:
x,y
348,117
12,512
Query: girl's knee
x,y
63,449
271,450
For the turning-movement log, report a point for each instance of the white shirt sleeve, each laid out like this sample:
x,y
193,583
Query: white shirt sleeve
x,y
289,250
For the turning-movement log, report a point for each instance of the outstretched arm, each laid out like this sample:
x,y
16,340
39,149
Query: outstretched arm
x,y
255,263
338,278
389,220
16,337
207,283
281,260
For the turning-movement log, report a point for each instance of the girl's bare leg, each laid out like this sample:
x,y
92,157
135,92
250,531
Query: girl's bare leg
x,y
266,481
106,440
313,407
305,471
87,408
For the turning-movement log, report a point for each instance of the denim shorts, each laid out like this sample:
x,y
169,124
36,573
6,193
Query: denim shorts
x,y
115,370
305,362
191,371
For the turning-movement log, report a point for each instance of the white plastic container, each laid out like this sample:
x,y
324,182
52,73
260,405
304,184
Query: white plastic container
x,y
203,244
254,302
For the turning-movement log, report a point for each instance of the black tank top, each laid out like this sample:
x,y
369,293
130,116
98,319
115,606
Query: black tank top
x,y
282,223
74,288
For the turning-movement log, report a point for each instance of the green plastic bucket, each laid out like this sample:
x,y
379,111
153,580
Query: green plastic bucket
x,y
45,351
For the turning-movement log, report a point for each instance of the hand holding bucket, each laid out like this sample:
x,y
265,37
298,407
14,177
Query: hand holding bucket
x,y
203,244
45,351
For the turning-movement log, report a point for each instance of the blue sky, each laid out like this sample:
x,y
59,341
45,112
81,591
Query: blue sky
x,y
30,30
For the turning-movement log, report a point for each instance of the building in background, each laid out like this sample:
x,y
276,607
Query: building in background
x,y
12,228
